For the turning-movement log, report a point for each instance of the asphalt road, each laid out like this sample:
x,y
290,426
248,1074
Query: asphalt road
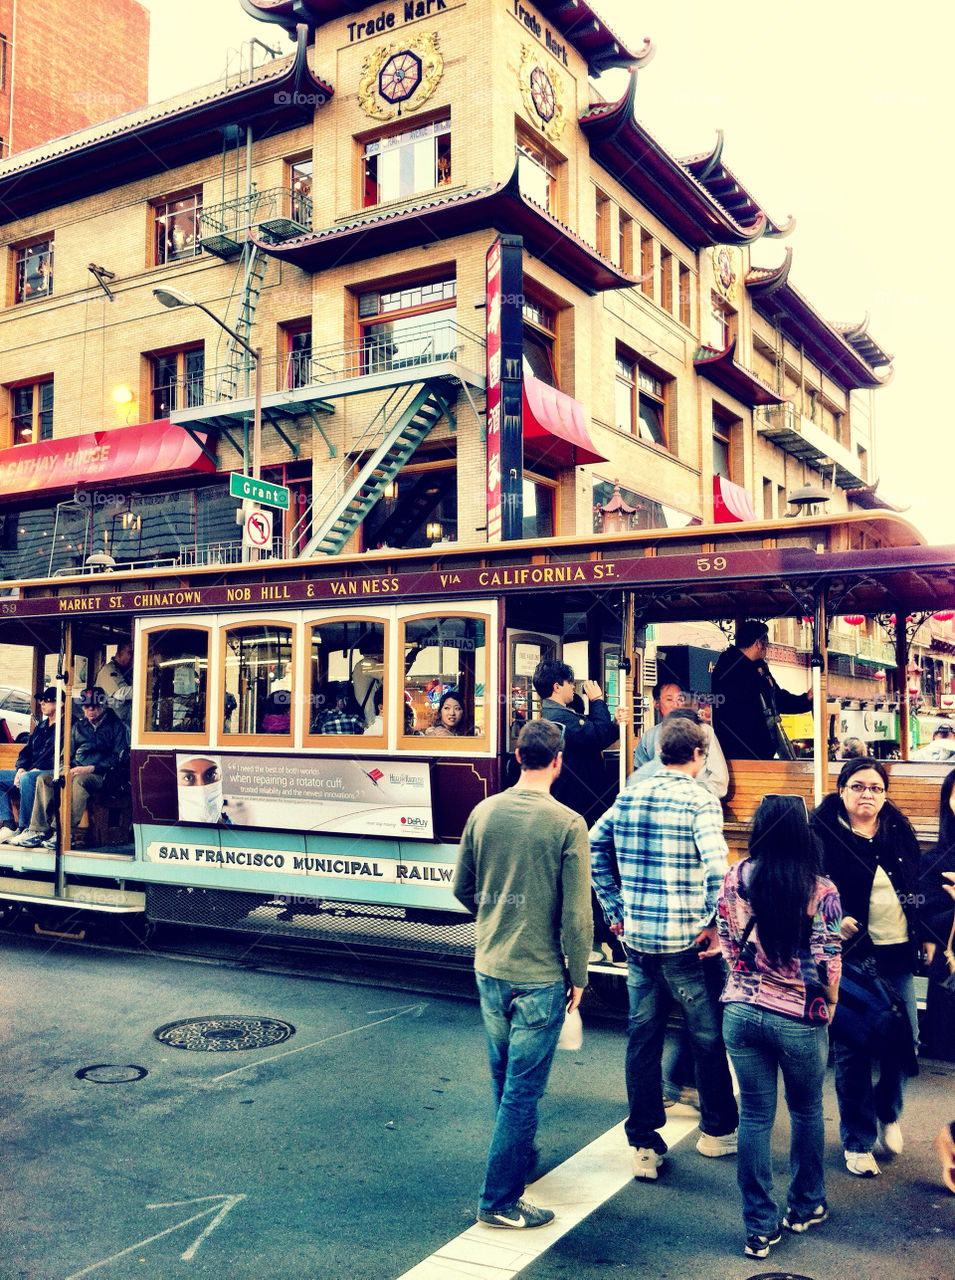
x,y
354,1147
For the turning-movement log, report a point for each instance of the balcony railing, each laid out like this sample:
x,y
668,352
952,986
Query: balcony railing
x,y
280,212
802,438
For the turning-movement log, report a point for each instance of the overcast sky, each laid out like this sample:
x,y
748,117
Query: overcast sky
x,y
835,111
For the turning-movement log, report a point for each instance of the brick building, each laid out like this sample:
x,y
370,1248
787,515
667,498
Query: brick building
x,y
335,209
64,66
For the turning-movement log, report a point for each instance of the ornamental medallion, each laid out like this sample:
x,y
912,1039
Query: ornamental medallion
x,y
400,77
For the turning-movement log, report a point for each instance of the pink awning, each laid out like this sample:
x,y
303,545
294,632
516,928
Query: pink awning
x,y
150,451
555,427
731,502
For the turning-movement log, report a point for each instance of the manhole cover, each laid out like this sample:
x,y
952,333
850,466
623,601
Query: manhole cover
x,y
224,1032
779,1275
111,1073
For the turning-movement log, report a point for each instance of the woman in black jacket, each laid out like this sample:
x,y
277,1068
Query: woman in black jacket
x,y
938,918
871,853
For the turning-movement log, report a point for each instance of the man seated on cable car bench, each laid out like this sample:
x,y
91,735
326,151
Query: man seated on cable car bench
x,y
35,759
99,743
344,714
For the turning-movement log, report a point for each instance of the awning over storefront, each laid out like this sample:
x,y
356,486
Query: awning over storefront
x,y
731,502
555,427
154,450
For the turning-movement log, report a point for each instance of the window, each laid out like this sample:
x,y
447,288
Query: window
x,y
175,684
722,322
685,299
257,677
602,215
300,192
540,342
445,662
539,502
537,172
646,262
641,401
31,412
347,681
419,507
407,327
666,280
402,164
648,513
176,380
767,499
3,62
721,448
298,354
625,242
33,267
177,228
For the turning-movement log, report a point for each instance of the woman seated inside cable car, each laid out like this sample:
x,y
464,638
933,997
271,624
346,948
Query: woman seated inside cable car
x,y
451,719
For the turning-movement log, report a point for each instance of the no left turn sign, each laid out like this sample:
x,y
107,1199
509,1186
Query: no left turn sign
x,y
258,528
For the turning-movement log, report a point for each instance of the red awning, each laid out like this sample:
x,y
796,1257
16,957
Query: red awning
x,y
555,427
731,502
149,451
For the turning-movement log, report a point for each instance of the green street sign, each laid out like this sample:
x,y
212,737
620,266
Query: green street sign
x,y
269,495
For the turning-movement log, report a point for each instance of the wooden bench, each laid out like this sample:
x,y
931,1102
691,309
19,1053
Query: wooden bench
x,y
914,788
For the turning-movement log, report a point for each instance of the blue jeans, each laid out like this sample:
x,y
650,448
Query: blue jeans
x,y
27,791
678,1070
652,982
862,1105
523,1022
761,1043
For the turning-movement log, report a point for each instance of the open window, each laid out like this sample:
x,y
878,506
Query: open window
x,y
174,684
256,706
445,659
347,689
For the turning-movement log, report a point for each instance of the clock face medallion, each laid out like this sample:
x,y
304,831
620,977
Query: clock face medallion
x,y
400,76
542,94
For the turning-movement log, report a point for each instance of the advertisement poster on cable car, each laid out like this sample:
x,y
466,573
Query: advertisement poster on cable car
x,y
287,793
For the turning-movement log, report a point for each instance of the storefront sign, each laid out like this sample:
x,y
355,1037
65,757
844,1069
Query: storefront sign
x,y
288,793
505,382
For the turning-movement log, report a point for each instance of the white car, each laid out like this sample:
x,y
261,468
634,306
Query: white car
x,y
16,711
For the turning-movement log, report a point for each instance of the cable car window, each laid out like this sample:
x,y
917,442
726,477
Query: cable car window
x,y
175,684
257,693
347,679
445,681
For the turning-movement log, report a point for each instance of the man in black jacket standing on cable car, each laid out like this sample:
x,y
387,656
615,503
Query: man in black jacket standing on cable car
x,y
747,701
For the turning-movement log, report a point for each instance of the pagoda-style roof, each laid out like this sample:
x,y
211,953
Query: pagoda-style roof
x,y
857,335
867,498
159,137
762,281
846,362
727,190
575,21
721,368
670,190
501,207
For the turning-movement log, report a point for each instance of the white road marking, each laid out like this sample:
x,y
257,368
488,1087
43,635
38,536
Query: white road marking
x,y
573,1190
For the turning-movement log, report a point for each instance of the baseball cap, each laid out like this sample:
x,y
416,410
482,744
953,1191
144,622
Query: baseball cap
x,y
93,698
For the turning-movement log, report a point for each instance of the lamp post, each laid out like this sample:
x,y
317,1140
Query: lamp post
x,y
175,298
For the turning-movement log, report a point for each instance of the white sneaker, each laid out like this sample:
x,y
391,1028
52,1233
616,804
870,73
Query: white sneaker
x,y
890,1137
861,1163
710,1145
646,1162
688,1103
6,833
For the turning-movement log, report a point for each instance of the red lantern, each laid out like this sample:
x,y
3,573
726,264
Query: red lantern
x,y
878,675
944,615
854,619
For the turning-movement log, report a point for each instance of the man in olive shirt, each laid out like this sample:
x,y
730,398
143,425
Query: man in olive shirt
x,y
524,871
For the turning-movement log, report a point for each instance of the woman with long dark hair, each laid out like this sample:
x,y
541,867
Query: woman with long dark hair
x,y
871,853
779,922
938,923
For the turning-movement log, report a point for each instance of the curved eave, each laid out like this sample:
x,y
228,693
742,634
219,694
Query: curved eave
x,y
168,140
655,178
728,192
867,498
501,207
720,367
857,336
763,281
802,325
574,20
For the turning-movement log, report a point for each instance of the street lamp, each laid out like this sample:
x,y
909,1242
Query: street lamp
x,y
175,298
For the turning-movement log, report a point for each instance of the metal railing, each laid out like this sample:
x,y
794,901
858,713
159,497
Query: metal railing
x,y
204,554
275,204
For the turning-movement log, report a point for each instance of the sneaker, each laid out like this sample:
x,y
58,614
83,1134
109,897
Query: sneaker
x,y
520,1217
861,1163
49,843
796,1221
687,1104
6,833
759,1246
646,1162
890,1137
709,1144
28,839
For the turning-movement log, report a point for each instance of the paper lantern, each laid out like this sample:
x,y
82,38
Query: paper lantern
x,y
944,615
854,619
878,675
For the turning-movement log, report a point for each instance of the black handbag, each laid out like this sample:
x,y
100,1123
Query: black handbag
x,y
870,1017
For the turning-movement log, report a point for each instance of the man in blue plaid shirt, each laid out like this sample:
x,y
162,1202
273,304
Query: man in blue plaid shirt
x,y
667,835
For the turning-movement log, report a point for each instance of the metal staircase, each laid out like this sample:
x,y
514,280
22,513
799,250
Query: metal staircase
x,y
237,360
403,422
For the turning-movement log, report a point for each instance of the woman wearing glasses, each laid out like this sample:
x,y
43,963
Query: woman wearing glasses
x,y
871,854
